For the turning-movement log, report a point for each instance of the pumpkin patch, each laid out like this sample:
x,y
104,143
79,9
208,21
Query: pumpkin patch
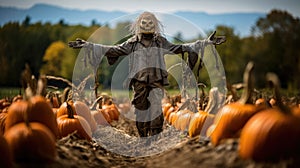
x,y
265,132
250,129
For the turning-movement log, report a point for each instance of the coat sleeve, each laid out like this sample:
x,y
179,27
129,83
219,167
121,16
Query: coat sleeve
x,y
192,49
112,52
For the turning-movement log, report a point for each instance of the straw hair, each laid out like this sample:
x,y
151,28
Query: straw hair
x,y
135,27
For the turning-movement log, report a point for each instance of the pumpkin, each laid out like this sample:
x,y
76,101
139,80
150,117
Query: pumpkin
x,y
31,142
83,110
41,111
183,120
171,102
3,116
262,103
37,110
53,99
231,118
210,129
203,119
166,107
170,114
171,117
17,98
63,109
4,103
6,155
296,110
78,108
15,113
176,116
70,123
109,107
112,110
271,134
101,117
171,106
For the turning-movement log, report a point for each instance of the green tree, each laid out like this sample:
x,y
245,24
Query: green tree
x,y
26,21
280,33
230,54
52,58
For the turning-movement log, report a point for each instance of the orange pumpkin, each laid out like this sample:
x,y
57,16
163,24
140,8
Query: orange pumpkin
x,y
22,136
101,117
183,120
17,98
112,110
166,107
176,116
271,134
70,123
262,103
36,109
170,114
6,155
53,99
203,119
79,108
63,110
16,113
296,110
41,111
231,118
170,118
3,117
171,106
4,103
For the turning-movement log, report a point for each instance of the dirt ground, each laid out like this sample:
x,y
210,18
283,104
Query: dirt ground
x,y
119,146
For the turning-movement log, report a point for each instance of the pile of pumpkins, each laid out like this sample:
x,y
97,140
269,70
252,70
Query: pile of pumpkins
x,y
41,121
265,130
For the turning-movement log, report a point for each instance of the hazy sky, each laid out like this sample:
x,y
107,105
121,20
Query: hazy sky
x,y
209,6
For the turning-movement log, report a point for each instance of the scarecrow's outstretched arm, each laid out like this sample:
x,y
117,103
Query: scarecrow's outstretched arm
x,y
79,43
216,40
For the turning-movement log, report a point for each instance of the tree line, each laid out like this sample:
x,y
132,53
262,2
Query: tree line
x,y
273,46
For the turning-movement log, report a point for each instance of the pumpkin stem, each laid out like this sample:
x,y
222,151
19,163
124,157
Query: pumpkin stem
x,y
41,86
202,96
273,79
28,92
70,111
248,84
99,101
66,94
212,102
173,101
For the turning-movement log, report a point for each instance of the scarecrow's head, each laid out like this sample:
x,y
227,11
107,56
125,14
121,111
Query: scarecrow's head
x,y
146,23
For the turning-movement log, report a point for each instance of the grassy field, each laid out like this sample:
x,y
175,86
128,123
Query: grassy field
x,y
9,92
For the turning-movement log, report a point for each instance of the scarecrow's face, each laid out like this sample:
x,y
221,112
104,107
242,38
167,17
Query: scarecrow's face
x,y
147,25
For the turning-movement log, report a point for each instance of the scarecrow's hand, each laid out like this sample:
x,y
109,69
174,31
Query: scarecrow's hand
x,y
79,43
216,40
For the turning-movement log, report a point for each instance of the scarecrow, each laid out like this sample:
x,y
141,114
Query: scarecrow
x,y
147,69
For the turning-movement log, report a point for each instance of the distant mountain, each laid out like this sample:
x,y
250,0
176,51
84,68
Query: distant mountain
x,y
241,22
53,14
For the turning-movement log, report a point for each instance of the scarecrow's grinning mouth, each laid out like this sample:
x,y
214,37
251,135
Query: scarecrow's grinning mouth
x,y
146,29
